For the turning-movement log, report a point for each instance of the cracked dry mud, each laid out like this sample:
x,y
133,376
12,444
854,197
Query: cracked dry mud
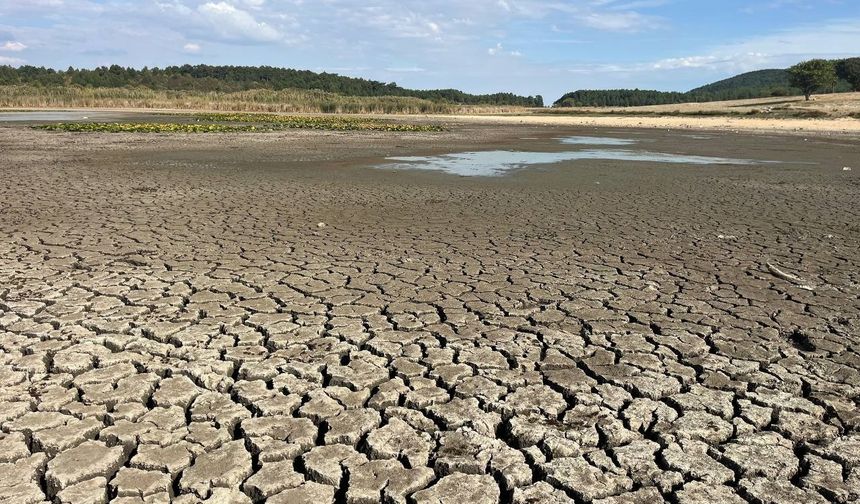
x,y
176,326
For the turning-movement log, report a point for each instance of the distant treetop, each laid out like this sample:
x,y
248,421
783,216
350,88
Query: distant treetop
x,y
817,75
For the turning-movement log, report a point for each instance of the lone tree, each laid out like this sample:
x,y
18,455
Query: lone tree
x,y
812,75
849,69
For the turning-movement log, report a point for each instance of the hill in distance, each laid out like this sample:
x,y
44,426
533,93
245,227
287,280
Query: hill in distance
x,y
756,84
243,78
775,79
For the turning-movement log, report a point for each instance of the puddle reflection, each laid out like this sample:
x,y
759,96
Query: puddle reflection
x,y
495,163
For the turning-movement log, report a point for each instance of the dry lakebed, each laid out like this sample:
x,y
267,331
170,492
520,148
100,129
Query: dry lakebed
x,y
485,313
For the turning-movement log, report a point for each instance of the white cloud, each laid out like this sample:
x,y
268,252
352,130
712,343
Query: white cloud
x,y
499,49
779,49
619,21
829,39
740,62
236,24
254,4
4,60
397,22
733,63
13,46
603,15
191,48
174,11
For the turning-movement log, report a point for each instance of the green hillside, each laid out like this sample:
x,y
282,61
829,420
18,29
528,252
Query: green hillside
x,y
773,79
757,84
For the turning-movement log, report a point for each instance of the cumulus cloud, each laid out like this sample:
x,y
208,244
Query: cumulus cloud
x,y
778,49
13,46
833,38
388,21
236,24
191,48
782,48
740,62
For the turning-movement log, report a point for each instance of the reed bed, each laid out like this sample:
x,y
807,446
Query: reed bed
x,y
260,100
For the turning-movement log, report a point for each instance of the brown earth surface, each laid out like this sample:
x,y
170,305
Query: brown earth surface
x,y
249,318
832,104
825,114
837,127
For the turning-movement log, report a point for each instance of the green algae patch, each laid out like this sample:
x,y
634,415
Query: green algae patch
x,y
244,123
332,123
147,128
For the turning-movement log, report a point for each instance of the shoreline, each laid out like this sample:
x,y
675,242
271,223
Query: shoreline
x,y
847,127
826,127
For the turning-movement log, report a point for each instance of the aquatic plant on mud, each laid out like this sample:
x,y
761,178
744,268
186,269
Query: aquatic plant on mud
x,y
215,123
338,123
148,128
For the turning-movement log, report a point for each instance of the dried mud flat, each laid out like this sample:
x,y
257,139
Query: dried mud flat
x,y
176,323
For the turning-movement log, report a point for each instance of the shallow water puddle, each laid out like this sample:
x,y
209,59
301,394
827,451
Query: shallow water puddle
x,y
50,116
495,163
586,140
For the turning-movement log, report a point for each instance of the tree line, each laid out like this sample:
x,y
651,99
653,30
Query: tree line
x,y
804,78
242,78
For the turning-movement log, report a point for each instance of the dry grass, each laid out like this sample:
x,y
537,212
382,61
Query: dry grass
x,y
287,101
839,105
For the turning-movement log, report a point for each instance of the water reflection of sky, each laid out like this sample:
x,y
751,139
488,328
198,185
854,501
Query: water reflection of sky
x,y
495,163
586,140
53,116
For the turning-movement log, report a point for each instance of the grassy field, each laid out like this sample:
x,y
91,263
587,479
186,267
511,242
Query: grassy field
x,y
836,106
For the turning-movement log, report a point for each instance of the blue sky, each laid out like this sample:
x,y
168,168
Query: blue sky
x,y
524,46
